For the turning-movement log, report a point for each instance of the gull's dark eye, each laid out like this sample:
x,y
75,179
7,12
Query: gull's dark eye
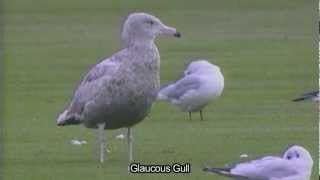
x,y
289,157
297,155
150,22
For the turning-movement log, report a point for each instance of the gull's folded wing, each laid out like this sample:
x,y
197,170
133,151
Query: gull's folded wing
x,y
93,80
260,169
269,166
182,86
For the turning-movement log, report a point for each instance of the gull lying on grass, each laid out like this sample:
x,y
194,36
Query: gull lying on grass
x,y
202,82
314,96
119,91
295,164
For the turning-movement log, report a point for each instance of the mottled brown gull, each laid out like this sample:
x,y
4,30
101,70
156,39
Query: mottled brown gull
x,y
202,82
119,91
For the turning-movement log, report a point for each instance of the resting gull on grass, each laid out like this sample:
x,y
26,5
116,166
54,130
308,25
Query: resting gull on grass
x,y
295,164
202,82
119,91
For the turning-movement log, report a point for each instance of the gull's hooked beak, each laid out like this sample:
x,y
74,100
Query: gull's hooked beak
x,y
169,31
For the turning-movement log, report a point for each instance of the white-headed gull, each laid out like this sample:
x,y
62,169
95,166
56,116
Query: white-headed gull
x,y
202,82
294,164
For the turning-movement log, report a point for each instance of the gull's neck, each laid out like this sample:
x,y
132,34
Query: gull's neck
x,y
139,42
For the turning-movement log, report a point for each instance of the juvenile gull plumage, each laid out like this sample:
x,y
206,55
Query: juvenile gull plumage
x,y
202,82
295,164
119,91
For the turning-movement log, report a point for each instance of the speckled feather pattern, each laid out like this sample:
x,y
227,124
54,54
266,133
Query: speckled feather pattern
x,y
119,90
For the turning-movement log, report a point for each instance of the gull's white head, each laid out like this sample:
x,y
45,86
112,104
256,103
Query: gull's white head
x,y
201,66
300,156
144,27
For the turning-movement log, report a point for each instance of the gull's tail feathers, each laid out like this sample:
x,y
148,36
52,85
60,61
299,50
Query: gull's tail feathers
x,y
301,99
308,96
66,118
224,172
163,92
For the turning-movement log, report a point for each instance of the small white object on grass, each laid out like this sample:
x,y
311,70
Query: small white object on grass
x,y
244,156
120,136
78,142
294,164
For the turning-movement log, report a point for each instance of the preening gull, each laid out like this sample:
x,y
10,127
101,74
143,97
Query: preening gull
x,y
119,91
294,164
314,96
202,82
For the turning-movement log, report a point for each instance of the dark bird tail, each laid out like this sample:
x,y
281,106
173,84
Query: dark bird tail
x,y
307,96
300,99
220,171
224,172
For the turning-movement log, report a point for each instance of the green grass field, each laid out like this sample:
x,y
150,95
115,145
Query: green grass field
x,y
266,49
